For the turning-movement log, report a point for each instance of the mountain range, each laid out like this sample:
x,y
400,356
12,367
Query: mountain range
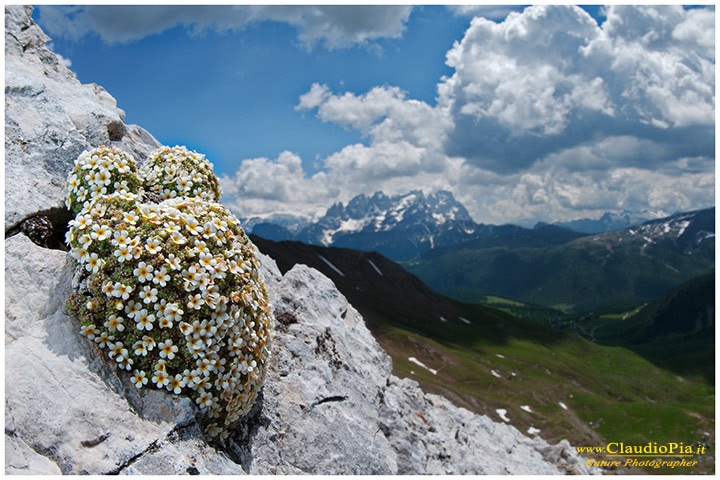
x,y
407,225
606,223
402,226
639,262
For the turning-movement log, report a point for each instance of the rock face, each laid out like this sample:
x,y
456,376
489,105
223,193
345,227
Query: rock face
x,y
50,118
330,404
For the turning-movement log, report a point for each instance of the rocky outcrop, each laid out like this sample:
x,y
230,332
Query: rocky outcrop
x,y
330,404
50,118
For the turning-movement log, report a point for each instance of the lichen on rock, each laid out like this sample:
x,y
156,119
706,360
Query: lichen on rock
x,y
171,292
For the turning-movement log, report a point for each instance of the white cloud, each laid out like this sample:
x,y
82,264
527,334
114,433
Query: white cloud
x,y
493,12
547,116
329,26
262,185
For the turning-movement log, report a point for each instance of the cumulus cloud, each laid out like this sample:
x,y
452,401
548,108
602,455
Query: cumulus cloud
x,y
321,25
550,77
547,116
262,185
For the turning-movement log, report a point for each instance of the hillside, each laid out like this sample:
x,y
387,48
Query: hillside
x,y
639,262
675,331
502,366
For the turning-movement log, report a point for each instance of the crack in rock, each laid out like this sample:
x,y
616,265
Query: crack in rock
x,y
45,228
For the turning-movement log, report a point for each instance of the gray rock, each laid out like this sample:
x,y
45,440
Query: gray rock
x,y
433,436
20,459
326,377
50,118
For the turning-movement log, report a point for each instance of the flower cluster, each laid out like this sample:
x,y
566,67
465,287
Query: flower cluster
x,y
98,172
173,296
177,172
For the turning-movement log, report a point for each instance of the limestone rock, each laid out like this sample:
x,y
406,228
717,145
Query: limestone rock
x,y
433,436
325,381
50,118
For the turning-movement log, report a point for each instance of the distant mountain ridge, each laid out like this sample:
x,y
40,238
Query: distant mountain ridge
x,y
642,261
403,226
606,223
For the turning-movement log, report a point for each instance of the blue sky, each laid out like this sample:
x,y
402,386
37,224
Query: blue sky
x,y
550,113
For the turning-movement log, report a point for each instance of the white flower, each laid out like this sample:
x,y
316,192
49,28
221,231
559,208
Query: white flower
x,y
117,351
149,342
178,238
114,323
89,331
103,340
94,263
132,308
173,312
148,294
205,401
100,232
120,238
140,379
176,384
160,379
122,291
143,272
196,302
123,253
173,262
144,321
126,363
139,348
153,246
130,218
85,241
161,277
167,349
165,322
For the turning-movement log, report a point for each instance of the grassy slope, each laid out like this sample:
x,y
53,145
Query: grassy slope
x,y
603,387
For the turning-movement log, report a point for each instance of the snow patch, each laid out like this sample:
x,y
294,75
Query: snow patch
x,y
503,414
352,225
419,363
495,373
683,226
526,408
331,265
564,407
464,320
533,431
375,267
443,319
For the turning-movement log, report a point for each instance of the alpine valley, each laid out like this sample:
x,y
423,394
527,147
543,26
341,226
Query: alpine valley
x,y
551,329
